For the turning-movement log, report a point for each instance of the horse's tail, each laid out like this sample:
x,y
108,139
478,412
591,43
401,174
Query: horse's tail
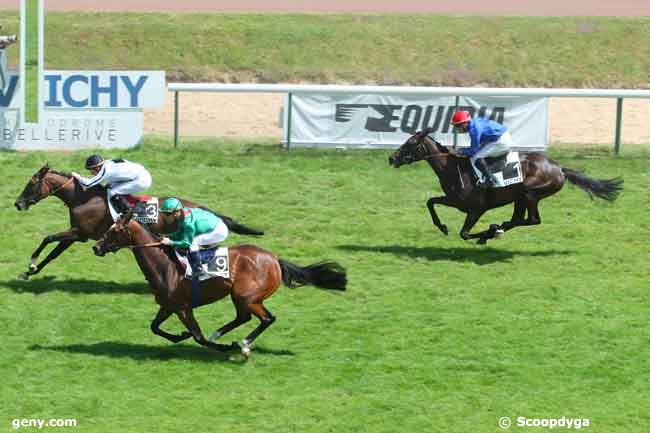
x,y
327,275
235,226
607,189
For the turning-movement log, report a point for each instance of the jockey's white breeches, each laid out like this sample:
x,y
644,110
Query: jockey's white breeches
x,y
139,184
219,234
496,148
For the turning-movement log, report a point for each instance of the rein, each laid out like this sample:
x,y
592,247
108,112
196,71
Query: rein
x,y
430,153
151,244
63,185
147,245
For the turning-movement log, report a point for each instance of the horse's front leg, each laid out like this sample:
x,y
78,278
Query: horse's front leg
x,y
65,239
187,317
163,315
471,219
444,200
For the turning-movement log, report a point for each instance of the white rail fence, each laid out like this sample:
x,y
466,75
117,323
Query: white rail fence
x,y
295,89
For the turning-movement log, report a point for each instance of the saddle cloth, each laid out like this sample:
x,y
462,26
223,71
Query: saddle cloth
x,y
214,261
506,170
145,208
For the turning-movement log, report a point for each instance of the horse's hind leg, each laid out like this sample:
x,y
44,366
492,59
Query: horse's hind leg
x,y
187,317
517,216
163,315
266,319
534,217
243,316
471,219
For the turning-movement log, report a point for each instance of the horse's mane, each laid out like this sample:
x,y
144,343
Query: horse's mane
x,y
95,190
60,173
426,133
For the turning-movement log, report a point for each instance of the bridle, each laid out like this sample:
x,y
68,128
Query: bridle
x,y
427,150
131,242
59,188
52,191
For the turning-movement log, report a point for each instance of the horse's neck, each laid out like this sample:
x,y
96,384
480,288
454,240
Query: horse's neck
x,y
438,160
65,193
153,261
71,194
448,168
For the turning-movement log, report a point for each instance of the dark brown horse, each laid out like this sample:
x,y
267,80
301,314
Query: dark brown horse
x,y
255,274
88,211
542,177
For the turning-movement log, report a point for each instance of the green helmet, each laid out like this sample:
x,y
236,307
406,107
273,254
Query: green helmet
x,y
170,205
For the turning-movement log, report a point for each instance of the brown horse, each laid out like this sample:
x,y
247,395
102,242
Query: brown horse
x,y
88,211
542,178
255,274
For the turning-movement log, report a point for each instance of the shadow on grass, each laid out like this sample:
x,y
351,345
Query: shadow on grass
x,y
478,255
51,284
142,352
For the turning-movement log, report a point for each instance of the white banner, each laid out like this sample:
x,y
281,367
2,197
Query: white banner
x,y
387,121
81,109
103,89
72,130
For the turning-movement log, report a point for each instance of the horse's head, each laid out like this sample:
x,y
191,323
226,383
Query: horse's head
x,y
418,147
35,190
116,237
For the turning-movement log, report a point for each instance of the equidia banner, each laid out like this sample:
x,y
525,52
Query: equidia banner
x,y
386,121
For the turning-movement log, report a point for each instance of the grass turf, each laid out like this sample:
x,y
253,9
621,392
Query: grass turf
x,y
362,48
434,334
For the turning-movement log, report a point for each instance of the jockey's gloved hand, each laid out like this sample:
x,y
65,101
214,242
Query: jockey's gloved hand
x,y
456,152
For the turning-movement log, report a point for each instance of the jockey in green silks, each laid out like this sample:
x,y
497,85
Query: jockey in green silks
x,y
194,228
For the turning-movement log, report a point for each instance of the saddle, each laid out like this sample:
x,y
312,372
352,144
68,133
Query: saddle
x,y
215,262
506,169
134,199
145,208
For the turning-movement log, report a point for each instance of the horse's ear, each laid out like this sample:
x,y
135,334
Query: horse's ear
x,y
44,169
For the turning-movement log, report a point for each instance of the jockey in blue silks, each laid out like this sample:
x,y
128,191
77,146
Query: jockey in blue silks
x,y
488,139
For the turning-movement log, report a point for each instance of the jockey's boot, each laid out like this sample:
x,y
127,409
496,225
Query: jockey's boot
x,y
120,204
489,179
195,262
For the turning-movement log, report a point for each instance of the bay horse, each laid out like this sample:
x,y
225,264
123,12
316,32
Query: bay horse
x,y
88,212
255,274
542,177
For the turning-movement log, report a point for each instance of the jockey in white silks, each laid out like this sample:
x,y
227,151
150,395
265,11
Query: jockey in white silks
x,y
120,176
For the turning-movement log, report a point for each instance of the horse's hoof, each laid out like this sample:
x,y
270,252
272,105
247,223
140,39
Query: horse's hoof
x,y
32,268
245,348
444,230
481,241
498,234
246,351
24,276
